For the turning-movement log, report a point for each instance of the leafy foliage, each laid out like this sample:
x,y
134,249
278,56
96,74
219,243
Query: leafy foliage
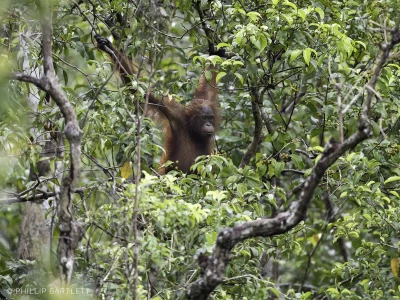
x,y
295,57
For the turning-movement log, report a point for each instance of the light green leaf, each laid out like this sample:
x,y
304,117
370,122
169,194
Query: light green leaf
x,y
320,12
93,62
239,37
288,3
294,54
219,76
391,179
271,137
302,14
253,15
263,41
362,44
241,189
307,55
275,291
394,65
238,63
307,172
255,42
241,11
200,58
333,291
240,77
226,63
288,18
214,59
221,45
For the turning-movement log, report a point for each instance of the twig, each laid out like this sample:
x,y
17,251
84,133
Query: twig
x,y
340,112
257,136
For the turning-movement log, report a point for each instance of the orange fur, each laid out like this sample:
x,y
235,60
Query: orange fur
x,y
188,130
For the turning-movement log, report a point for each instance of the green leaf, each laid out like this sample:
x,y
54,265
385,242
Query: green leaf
x,y
65,75
394,65
208,75
219,76
241,189
294,54
298,162
239,37
200,58
271,137
318,149
263,41
302,14
362,44
253,15
333,291
317,158
214,59
307,172
275,291
126,170
241,11
226,63
255,42
288,3
288,18
222,45
391,179
320,12
394,265
95,62
278,168
238,63
307,55
240,77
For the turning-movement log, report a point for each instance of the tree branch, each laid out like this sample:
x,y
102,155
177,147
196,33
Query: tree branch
x,y
71,231
257,137
39,195
228,238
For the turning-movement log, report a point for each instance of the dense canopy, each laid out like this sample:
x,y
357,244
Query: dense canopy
x,y
299,200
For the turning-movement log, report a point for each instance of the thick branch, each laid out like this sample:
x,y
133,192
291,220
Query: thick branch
x,y
213,274
281,223
71,232
386,48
